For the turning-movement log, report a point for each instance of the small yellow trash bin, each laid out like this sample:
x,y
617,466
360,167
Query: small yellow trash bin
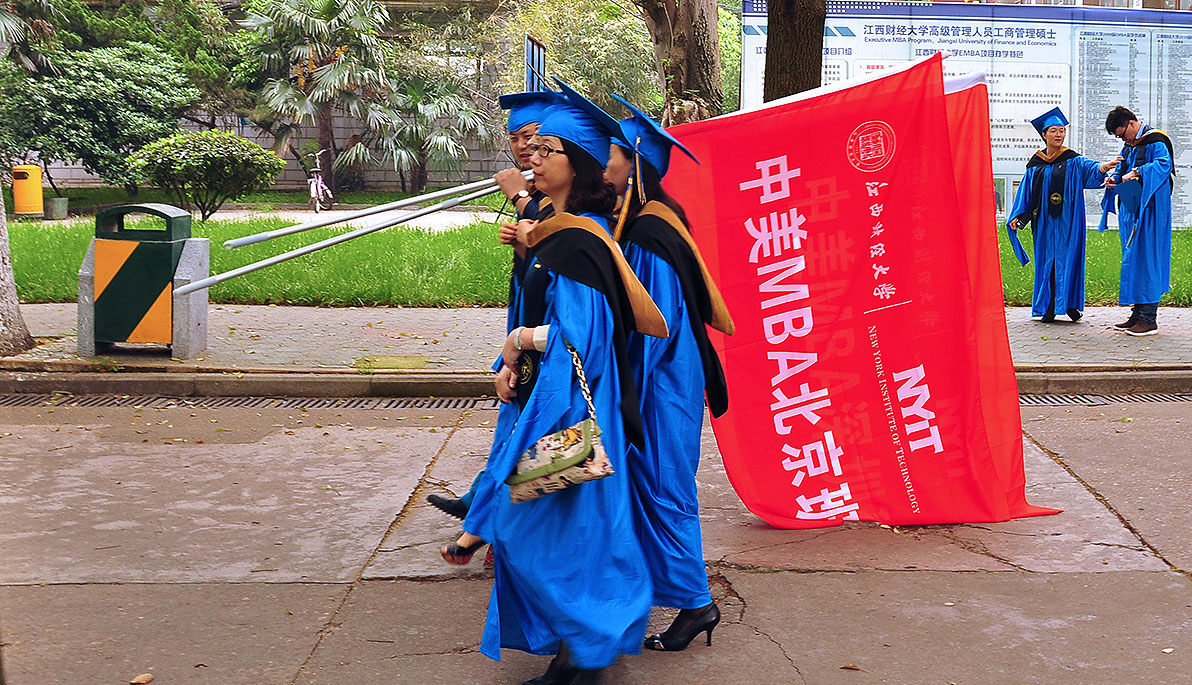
x,y
26,190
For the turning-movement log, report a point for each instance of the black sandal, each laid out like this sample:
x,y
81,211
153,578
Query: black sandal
x,y
457,555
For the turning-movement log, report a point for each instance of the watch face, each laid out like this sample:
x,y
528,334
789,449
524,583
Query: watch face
x,y
523,193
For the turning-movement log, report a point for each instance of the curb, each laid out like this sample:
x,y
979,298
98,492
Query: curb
x,y
69,366
189,384
1119,382
213,382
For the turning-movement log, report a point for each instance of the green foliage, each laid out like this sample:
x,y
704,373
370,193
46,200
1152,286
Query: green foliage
x,y
206,168
729,28
264,200
101,105
1103,261
193,32
598,47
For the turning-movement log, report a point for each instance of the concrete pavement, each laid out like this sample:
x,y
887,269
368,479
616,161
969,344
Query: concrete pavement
x,y
273,350
273,545
282,545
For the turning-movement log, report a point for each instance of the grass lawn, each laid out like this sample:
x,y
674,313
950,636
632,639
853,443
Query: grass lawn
x,y
400,267
1103,262
458,268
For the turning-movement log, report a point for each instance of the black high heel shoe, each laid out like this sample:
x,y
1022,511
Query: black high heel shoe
x,y
686,626
457,555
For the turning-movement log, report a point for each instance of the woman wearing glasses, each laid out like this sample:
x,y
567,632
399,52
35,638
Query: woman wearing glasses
x,y
570,578
654,233
1052,197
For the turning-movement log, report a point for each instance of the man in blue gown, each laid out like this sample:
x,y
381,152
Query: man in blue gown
x,y
1051,197
525,112
1144,217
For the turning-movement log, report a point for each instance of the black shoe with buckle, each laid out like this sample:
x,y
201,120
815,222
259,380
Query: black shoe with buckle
x,y
1142,328
685,628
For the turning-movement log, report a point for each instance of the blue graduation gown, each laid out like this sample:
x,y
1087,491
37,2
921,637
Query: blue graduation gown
x,y
671,389
506,415
568,566
1059,241
530,211
1146,235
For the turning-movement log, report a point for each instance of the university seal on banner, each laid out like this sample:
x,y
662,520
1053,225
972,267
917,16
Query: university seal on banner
x,y
871,146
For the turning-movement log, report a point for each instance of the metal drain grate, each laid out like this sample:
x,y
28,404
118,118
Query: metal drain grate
x,y
1096,400
159,402
1059,400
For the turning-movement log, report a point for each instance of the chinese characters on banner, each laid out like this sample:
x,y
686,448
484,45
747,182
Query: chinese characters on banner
x,y
856,385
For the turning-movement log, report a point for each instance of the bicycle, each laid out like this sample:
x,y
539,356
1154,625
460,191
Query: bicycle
x,y
320,195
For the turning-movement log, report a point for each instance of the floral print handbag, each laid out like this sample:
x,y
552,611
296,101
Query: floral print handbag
x,y
564,458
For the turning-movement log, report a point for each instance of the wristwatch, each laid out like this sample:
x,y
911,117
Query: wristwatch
x,y
519,195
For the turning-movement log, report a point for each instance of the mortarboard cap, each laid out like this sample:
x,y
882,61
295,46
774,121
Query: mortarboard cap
x,y
578,120
1052,118
527,108
651,141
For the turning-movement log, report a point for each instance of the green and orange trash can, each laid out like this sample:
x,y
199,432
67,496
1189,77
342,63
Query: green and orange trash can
x,y
127,282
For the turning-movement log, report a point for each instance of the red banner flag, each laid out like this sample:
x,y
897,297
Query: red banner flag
x,y
966,99
858,387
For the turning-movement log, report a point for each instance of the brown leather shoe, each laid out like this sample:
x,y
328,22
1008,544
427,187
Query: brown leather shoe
x,y
1142,328
1127,323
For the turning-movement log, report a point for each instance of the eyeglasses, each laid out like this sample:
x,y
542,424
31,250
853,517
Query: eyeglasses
x,y
544,151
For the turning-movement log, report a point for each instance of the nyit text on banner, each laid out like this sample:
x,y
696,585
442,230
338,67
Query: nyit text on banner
x,y
1085,60
858,389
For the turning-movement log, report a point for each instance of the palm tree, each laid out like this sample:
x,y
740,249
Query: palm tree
x,y
436,117
322,57
20,33
327,57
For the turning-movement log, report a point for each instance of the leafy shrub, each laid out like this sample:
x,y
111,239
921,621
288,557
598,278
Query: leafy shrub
x,y
98,107
206,168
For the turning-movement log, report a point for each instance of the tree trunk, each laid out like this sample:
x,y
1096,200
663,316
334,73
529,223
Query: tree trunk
x,y
327,142
794,46
14,335
687,53
418,176
50,179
